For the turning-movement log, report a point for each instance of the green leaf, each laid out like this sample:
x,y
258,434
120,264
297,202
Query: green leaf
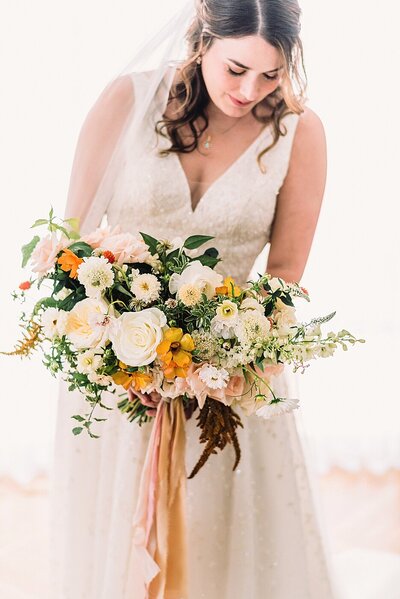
x,y
62,229
151,242
121,289
39,223
51,213
195,241
79,418
28,249
286,299
81,249
73,223
44,302
74,234
77,430
208,260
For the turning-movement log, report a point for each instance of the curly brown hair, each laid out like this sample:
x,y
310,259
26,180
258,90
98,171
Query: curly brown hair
x,y
278,23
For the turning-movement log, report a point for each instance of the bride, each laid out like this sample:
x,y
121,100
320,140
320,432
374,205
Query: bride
x,y
219,143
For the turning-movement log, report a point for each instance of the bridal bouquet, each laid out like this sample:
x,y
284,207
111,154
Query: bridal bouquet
x,y
153,320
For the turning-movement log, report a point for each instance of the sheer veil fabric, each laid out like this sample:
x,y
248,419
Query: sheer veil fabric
x,y
252,535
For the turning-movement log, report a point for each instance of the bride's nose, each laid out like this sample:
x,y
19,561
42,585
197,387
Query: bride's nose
x,y
249,89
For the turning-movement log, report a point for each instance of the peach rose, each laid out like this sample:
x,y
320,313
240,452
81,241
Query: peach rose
x,y
126,248
44,255
96,238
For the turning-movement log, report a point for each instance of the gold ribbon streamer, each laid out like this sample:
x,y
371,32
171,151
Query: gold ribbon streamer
x,y
170,519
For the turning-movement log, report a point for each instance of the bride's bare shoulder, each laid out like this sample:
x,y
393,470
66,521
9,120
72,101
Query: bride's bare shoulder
x,y
310,129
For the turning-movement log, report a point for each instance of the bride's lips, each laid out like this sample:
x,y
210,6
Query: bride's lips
x,y
238,102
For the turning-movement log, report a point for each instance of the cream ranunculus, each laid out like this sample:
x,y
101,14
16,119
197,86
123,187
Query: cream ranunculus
x,y
136,335
249,303
87,324
202,277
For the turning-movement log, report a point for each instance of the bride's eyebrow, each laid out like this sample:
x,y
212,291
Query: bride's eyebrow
x,y
242,66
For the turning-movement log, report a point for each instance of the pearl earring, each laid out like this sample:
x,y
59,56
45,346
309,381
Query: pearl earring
x,y
198,60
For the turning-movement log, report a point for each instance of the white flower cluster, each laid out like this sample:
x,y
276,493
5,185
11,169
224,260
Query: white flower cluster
x,y
96,274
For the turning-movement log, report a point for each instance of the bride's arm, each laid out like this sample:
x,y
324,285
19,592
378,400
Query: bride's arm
x,y
97,139
299,200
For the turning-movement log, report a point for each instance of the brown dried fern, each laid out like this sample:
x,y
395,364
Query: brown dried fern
x,y
218,425
30,340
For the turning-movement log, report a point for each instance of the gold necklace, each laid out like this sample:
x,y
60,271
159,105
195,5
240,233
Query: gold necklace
x,y
207,143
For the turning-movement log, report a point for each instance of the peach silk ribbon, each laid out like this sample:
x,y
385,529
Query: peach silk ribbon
x,y
159,525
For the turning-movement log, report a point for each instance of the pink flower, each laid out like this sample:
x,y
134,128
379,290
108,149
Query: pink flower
x,y
44,255
96,238
226,395
126,248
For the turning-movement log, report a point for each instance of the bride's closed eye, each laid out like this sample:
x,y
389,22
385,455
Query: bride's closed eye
x,y
238,73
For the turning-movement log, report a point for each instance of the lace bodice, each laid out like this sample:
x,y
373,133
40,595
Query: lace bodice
x,y
237,209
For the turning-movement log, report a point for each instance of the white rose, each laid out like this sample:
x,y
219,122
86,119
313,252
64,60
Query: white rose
x,y
202,277
136,335
285,318
87,324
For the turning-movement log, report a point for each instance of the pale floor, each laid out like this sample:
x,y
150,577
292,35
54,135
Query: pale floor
x,y
362,512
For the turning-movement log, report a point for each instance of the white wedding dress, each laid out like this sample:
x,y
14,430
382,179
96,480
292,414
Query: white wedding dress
x,y
253,533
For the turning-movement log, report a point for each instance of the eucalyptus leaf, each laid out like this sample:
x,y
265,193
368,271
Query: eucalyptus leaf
x,y
77,430
79,418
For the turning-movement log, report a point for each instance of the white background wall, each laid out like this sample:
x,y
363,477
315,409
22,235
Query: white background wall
x,y
55,58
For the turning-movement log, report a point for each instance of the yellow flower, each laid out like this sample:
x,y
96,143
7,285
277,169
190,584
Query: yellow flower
x,y
174,352
229,288
138,380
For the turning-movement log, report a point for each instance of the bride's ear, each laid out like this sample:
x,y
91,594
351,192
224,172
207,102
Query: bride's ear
x,y
97,139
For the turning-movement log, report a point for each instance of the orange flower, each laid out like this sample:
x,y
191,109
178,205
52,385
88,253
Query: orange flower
x,y
229,288
109,256
138,380
25,285
174,352
69,262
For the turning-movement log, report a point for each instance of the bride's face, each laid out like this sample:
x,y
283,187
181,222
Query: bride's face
x,y
239,72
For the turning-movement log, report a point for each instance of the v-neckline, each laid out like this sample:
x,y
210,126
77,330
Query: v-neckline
x,y
188,195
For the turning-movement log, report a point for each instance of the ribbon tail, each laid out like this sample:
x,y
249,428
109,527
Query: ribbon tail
x,y
143,567
171,550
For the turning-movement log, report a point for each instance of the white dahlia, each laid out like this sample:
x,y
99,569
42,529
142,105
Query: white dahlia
x,y
189,294
146,288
